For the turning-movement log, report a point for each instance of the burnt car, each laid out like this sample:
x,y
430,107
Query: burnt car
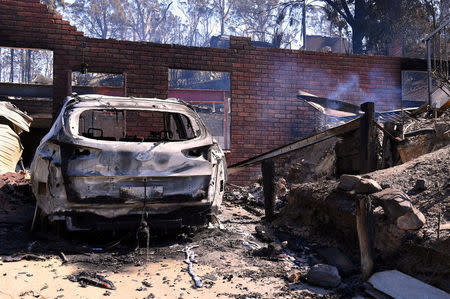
x,y
107,162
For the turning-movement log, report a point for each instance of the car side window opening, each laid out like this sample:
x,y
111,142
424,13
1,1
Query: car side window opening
x,y
134,125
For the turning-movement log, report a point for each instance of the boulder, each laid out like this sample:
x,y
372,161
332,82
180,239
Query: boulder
x,y
348,182
337,258
324,275
367,186
395,203
412,220
360,185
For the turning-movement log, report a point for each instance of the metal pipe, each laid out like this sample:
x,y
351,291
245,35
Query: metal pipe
x,y
429,70
429,36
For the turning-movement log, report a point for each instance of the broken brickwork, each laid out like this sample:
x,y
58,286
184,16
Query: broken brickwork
x,y
265,112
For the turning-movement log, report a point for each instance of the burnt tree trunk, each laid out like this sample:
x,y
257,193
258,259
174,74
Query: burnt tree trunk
x,y
268,174
28,66
358,27
304,24
11,72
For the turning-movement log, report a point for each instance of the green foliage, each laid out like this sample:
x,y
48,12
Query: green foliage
x,y
376,24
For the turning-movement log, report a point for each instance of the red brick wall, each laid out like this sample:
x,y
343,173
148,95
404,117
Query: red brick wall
x,y
264,82
140,123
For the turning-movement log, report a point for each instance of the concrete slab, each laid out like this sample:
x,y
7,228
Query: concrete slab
x,y
401,286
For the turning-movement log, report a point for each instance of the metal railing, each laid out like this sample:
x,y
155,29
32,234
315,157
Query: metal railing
x,y
438,53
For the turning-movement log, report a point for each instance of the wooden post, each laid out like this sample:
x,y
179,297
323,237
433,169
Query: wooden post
x,y
367,152
368,163
363,212
268,174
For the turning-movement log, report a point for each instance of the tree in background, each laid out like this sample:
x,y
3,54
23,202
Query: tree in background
x,y
372,25
98,18
301,14
356,14
376,23
198,26
11,66
145,18
256,19
437,10
54,4
224,10
23,65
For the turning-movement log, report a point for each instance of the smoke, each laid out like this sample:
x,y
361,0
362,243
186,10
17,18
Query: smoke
x,y
384,87
343,89
376,86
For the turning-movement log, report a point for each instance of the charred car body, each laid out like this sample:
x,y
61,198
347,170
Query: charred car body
x,y
109,160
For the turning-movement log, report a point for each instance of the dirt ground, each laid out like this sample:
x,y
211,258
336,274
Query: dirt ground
x,y
233,261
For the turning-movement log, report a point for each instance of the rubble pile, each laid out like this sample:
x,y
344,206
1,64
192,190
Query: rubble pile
x,y
410,213
315,268
397,142
310,164
14,190
16,211
424,135
253,195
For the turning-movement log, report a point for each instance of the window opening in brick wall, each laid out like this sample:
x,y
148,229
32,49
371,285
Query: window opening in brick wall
x,y
209,94
98,83
134,125
29,66
415,89
26,79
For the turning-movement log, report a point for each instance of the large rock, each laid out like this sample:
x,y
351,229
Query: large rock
x,y
360,185
395,203
348,182
412,220
337,258
399,209
367,186
324,275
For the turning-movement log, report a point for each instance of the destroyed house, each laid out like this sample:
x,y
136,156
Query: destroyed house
x,y
264,112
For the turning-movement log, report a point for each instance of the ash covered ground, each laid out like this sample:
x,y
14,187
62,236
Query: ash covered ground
x,y
240,257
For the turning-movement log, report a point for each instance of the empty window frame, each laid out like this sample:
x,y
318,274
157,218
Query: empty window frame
x,y
135,126
415,89
209,94
98,83
31,66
